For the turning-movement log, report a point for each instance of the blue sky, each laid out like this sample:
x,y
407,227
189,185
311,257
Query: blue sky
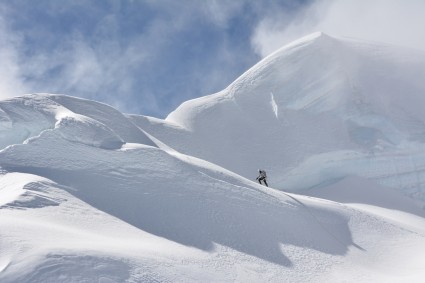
x,y
147,57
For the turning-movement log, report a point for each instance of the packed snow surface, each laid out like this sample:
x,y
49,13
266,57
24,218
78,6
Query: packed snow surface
x,y
88,194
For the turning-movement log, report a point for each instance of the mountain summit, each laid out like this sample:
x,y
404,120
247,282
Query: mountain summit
x,y
317,99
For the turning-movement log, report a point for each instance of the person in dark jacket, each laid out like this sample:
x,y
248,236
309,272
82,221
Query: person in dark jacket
x,y
262,176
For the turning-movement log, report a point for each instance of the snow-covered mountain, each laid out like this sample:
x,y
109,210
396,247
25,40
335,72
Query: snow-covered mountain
x,y
325,106
88,194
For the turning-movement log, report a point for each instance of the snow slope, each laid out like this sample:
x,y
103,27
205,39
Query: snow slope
x,y
88,194
142,214
321,103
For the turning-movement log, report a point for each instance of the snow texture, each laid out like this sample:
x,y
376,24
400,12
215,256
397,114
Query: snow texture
x,y
317,100
88,194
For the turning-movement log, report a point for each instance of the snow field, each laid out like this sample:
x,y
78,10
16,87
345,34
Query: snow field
x,y
88,194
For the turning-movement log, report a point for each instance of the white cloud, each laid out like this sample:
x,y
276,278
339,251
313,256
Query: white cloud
x,y
11,81
220,12
103,66
391,21
97,58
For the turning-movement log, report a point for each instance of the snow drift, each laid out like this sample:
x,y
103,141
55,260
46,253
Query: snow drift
x,y
88,194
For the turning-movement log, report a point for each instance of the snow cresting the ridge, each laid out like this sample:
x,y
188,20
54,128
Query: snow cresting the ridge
x,y
317,96
25,118
179,202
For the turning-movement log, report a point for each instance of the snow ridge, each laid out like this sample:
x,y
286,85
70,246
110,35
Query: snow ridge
x,y
75,119
313,99
88,194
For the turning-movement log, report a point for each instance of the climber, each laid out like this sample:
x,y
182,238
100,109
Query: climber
x,y
262,177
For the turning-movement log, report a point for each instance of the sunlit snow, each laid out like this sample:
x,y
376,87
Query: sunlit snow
x,y
89,194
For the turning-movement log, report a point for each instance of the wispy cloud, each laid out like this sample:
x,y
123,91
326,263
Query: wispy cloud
x,y
391,21
93,61
11,81
120,55
140,56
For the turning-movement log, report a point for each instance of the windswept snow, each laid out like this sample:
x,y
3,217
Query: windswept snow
x,y
321,103
75,119
88,194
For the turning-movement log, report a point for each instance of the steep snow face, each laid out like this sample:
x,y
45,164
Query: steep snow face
x,y
319,95
77,120
23,118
